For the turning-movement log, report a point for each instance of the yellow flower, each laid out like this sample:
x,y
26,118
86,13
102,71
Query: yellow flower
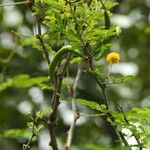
x,y
113,57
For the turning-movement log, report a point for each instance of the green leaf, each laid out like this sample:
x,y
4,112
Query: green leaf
x,y
46,87
93,105
102,53
22,81
40,114
103,44
140,115
16,133
110,4
123,79
30,125
98,71
40,127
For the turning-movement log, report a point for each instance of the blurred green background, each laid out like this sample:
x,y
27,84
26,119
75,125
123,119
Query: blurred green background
x,y
133,45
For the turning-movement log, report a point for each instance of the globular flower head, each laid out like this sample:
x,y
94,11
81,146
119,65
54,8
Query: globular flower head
x,y
113,57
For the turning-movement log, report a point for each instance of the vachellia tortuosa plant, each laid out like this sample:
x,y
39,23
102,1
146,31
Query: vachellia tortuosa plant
x,y
78,32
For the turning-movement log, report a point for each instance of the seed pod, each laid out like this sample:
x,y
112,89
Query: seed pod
x,y
107,19
58,57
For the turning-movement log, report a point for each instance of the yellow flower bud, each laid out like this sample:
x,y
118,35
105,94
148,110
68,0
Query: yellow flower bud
x,y
113,57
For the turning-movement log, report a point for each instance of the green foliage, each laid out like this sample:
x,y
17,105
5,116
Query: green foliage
x,y
137,120
27,133
16,133
104,43
34,127
119,80
98,71
140,115
93,105
78,23
40,114
140,119
85,27
22,81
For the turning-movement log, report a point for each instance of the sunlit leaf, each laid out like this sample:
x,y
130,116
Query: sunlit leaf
x,y
93,105
123,79
40,114
16,133
22,81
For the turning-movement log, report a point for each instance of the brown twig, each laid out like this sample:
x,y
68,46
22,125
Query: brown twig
x,y
109,115
76,114
103,87
55,99
39,37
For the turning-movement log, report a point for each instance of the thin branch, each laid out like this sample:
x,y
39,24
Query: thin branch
x,y
7,60
105,101
27,146
109,115
11,4
19,34
126,120
93,115
55,99
39,36
103,5
103,88
76,114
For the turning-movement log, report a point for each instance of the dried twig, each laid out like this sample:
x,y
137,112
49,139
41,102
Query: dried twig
x,y
76,114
